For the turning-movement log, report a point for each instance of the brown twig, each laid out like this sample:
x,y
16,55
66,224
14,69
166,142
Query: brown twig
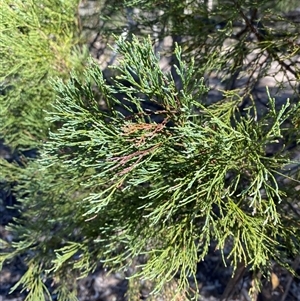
x,y
290,278
124,159
238,274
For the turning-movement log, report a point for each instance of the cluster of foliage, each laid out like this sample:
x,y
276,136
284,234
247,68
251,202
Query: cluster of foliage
x,y
144,168
37,42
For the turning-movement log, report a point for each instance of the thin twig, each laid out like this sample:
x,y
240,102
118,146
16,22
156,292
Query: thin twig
x,y
238,274
290,278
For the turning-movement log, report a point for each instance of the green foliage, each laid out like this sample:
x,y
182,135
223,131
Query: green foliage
x,y
37,42
142,171
162,190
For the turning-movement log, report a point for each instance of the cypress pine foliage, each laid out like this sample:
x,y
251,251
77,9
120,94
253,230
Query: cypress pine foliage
x,y
161,190
37,41
142,174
